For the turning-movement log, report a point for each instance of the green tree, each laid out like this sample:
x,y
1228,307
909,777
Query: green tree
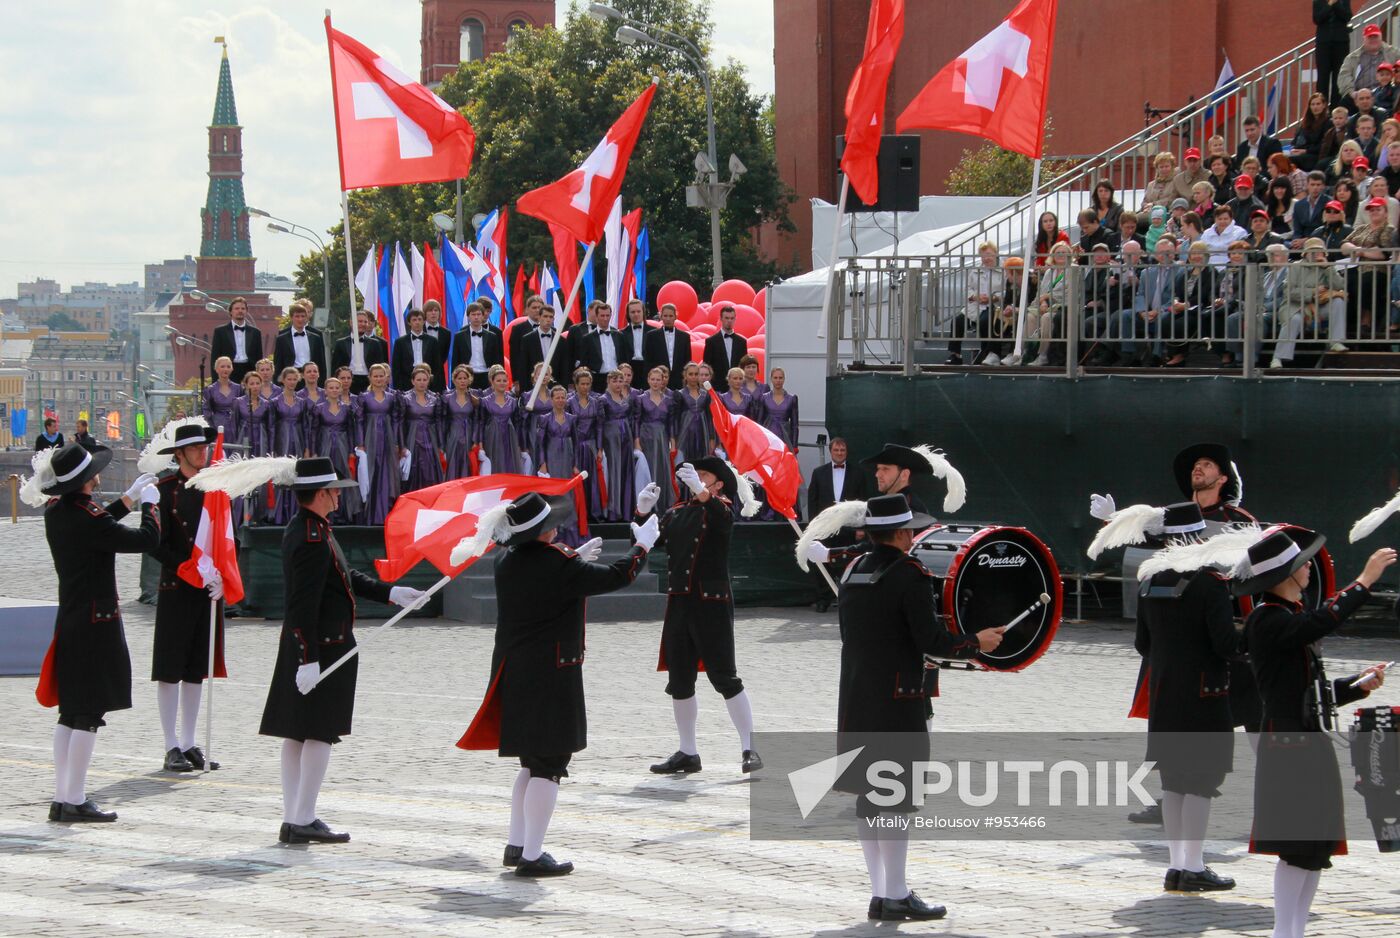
x,y
990,170
538,109
62,322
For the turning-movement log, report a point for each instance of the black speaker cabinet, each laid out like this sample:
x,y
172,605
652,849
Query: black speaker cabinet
x,y
899,175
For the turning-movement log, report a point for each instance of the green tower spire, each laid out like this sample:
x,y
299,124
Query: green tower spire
x,y
225,113
224,218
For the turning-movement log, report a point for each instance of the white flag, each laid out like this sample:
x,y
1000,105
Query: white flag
x,y
367,281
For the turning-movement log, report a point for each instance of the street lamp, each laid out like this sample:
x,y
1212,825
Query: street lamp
x,y
282,226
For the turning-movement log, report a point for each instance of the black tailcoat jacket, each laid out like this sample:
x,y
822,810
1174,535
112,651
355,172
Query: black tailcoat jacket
x,y
182,611
319,625
534,705
88,659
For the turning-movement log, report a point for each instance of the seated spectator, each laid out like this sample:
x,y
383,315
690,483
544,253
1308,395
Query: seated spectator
x,y
1384,92
1229,300
1347,154
1332,139
1191,173
1367,140
1361,176
1221,178
1390,133
1216,145
1178,210
1128,230
983,293
1358,71
1151,305
1307,142
1245,203
1365,107
1092,233
1193,304
1279,204
1160,190
1047,235
1157,224
1314,287
1192,227
1043,322
1380,189
1219,236
1256,143
1255,170
1094,322
1307,210
1282,167
1344,192
1001,340
1333,231
1262,234
1203,199
1368,283
1105,206
1390,156
1272,283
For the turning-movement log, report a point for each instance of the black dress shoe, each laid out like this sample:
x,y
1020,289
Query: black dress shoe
x,y
55,810
822,605
195,756
284,833
175,761
678,764
1152,814
875,905
512,855
910,907
1172,881
1207,880
314,833
88,813
543,865
955,360
752,761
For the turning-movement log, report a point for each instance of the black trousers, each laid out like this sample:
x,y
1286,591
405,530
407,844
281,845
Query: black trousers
x,y
83,722
1329,63
549,767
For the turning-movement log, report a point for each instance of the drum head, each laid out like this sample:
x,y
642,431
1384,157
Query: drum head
x,y
1322,583
998,574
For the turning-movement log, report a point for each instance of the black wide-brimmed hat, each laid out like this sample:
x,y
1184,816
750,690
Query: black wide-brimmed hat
x,y
529,516
1278,554
73,465
892,512
190,434
1182,520
720,470
318,472
1217,453
902,456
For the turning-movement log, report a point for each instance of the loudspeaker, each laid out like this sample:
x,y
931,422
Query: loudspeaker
x,y
898,164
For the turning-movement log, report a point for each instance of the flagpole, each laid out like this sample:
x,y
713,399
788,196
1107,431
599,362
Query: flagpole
x,y
209,702
831,258
826,574
1027,259
549,355
350,273
416,604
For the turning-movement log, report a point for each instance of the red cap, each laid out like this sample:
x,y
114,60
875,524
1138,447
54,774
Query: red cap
x,y
1385,67
1193,153
1361,163
1259,213
1334,206
1246,181
1377,202
1372,30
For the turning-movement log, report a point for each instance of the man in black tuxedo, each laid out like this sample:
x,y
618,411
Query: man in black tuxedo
x,y
489,306
238,340
534,345
373,351
476,347
832,482
667,346
724,349
577,334
603,349
535,313
298,344
432,325
415,347
635,332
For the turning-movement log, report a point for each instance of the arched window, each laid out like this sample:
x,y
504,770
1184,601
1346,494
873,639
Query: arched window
x,y
514,26
473,41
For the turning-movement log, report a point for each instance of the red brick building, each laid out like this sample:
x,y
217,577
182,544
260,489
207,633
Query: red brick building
x,y
1111,57
457,31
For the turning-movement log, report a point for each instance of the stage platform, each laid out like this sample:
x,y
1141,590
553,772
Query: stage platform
x,y
26,627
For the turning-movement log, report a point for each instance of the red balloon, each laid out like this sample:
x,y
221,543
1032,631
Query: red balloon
x,y
747,320
510,327
697,350
757,341
760,302
705,313
733,291
682,295
704,330
762,356
683,326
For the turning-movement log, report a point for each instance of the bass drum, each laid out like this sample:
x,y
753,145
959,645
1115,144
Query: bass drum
x,y
991,575
1322,580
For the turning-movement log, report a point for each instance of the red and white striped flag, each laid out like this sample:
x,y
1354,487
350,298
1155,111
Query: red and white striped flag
x,y
214,544
753,448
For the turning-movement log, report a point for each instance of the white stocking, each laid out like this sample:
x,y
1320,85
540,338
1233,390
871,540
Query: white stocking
x,y
687,712
540,795
1171,823
516,837
80,746
315,759
61,734
894,851
168,702
1305,901
291,779
741,714
1195,817
190,695
1289,884
874,866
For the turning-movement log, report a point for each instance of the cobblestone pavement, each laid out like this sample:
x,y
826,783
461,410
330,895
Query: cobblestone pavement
x,y
198,855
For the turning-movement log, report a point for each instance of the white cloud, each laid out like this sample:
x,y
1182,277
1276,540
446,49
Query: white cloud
x,y
103,151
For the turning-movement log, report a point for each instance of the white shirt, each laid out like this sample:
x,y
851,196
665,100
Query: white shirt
x,y
670,336
415,341
357,357
240,341
301,348
478,357
605,339
638,333
1219,242
838,480
729,348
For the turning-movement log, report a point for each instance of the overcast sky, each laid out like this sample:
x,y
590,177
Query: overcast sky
x,y
103,150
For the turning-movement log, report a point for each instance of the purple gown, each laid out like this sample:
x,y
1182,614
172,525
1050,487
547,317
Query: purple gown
x,y
457,426
221,410
253,431
290,423
555,448
377,429
780,418
500,433
693,431
333,436
656,424
588,437
420,437
619,433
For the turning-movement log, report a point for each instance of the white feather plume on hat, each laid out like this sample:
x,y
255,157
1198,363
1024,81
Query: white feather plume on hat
x,y
1239,484
1128,525
847,514
943,469
238,477
743,487
155,462
1228,551
492,525
1373,520
31,490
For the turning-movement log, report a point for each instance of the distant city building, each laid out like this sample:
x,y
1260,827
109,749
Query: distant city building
x,y
92,307
12,384
168,276
457,31
77,373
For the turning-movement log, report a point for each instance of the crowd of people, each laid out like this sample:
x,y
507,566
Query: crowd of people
x,y
628,406
1315,213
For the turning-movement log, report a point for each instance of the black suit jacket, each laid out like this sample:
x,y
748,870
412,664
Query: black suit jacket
x,y
716,359
517,351
532,353
1268,146
590,351
221,344
575,338
821,490
401,362
654,353
636,353
376,352
491,348
285,356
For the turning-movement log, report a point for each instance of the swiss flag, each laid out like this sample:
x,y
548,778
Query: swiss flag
x,y
865,98
214,546
426,524
997,88
579,203
753,448
391,130
566,259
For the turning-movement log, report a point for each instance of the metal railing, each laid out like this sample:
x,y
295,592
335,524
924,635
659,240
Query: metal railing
x,y
1236,312
1289,77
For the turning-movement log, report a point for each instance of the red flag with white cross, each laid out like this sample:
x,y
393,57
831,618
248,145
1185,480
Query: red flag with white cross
x,y
997,88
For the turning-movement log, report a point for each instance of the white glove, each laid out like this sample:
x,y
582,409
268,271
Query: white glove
x,y
817,552
215,585
404,595
133,492
543,473
591,550
1102,506
646,499
646,534
307,676
150,495
360,452
691,478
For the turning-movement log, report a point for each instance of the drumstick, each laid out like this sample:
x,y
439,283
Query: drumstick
x,y
1044,600
1369,672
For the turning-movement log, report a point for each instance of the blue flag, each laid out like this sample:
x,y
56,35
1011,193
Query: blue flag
x,y
386,296
455,282
639,264
19,423
587,279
